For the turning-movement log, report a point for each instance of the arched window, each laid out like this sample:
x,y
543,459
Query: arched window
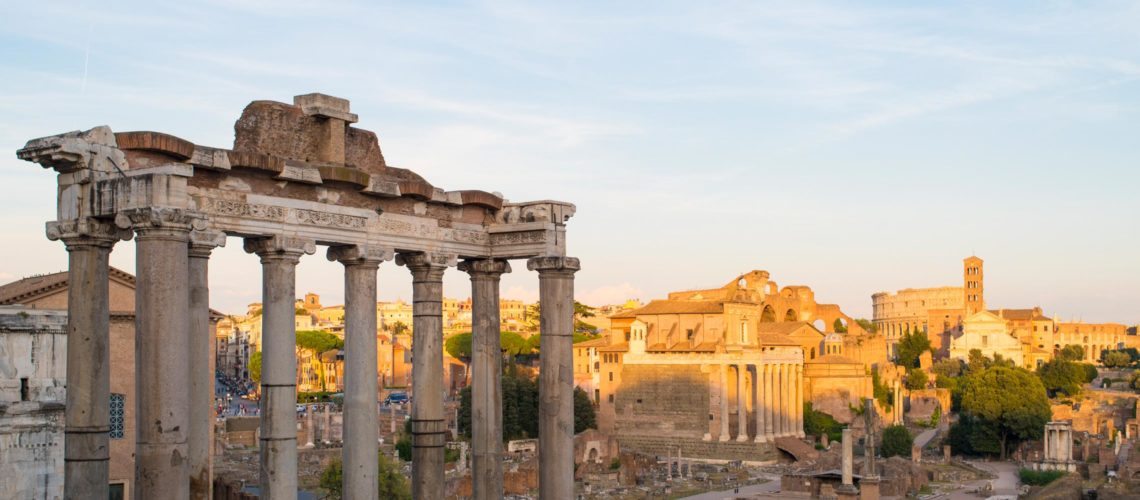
x,y
812,353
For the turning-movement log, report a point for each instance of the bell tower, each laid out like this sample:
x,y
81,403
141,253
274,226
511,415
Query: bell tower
x,y
973,283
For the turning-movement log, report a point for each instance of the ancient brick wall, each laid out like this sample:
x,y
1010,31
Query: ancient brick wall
x,y
662,400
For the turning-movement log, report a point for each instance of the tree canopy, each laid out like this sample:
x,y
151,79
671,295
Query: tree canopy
x,y
318,341
867,325
1006,405
916,379
1116,359
838,326
897,441
390,480
910,347
1072,353
520,408
255,366
1062,376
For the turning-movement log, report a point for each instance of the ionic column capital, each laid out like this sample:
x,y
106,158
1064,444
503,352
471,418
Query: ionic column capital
x,y
204,241
160,222
426,266
360,255
86,232
280,247
485,268
554,265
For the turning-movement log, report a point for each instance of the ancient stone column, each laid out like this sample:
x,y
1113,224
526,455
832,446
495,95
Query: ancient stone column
x,y
428,425
723,403
486,378
361,433
162,364
848,457
758,406
799,403
87,416
201,378
781,400
741,407
556,375
278,439
769,401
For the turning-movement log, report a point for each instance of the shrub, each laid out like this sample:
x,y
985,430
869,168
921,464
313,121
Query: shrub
x,y
818,423
391,482
897,441
615,464
1038,477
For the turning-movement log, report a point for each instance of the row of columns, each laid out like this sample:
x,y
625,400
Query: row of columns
x,y
173,344
777,395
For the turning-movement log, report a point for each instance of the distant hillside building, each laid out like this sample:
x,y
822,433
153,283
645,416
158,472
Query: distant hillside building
x,y
936,312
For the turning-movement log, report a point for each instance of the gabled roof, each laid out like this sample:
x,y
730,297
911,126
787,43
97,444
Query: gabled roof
x,y
599,342
771,339
20,291
674,307
1020,314
682,347
833,359
786,328
622,347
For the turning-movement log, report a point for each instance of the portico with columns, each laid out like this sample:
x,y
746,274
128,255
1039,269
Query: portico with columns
x,y
298,176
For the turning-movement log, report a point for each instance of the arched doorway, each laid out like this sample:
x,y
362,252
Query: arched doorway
x,y
791,315
768,315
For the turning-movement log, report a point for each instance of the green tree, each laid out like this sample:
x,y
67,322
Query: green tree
x,y
838,326
897,441
867,325
1134,380
391,482
977,361
1060,375
1010,404
1072,353
1117,359
916,379
818,423
399,328
533,315
1090,372
584,415
319,342
910,347
880,391
255,366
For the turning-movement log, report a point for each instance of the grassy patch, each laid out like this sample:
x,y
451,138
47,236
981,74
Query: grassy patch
x,y
1039,477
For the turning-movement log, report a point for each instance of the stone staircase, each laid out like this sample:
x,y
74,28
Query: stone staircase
x,y
797,448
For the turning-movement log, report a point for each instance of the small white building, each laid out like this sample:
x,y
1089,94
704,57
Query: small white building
x,y
988,333
33,355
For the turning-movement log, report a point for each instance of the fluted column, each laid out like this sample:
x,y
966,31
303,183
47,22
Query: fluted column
x,y
758,407
556,375
201,435
789,399
428,425
278,446
87,415
769,401
361,433
723,403
741,407
486,378
799,403
162,365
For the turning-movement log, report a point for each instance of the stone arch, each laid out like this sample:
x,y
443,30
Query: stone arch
x,y
820,325
791,315
592,455
812,353
768,315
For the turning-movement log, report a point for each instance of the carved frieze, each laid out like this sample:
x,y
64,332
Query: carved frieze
x,y
316,218
518,238
231,208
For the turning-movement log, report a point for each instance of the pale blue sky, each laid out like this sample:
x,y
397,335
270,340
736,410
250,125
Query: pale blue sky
x,y
849,148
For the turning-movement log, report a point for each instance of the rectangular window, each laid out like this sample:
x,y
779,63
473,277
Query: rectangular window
x,y
611,398
611,376
24,389
118,402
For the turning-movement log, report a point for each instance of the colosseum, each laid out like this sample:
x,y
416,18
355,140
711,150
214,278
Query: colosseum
x,y
937,312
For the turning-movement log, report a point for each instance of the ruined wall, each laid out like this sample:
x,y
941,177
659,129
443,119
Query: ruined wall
x,y
662,400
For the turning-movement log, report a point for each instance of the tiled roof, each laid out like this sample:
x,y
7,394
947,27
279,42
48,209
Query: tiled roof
x,y
1019,314
622,347
31,287
771,339
598,342
784,328
683,347
833,359
674,307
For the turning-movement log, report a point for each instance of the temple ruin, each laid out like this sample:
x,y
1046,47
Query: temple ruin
x,y
298,175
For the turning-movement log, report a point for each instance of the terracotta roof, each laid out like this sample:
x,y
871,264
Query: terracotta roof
x,y
34,286
21,291
834,359
622,347
769,339
784,328
683,347
1019,314
598,342
674,307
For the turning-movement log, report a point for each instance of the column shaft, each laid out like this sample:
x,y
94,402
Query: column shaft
x,y
556,375
428,425
758,402
799,426
87,415
769,402
201,435
361,434
162,365
723,403
278,442
741,407
486,379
